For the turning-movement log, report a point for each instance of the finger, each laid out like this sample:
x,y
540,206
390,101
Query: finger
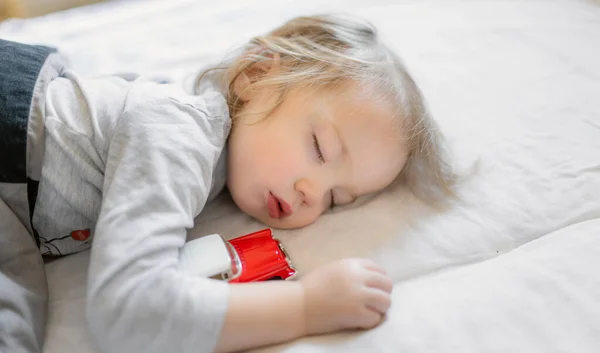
x,y
372,265
378,301
369,319
379,281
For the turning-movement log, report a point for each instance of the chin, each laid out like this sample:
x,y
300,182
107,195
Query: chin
x,y
284,223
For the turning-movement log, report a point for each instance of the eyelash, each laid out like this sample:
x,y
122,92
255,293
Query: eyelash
x,y
322,159
318,148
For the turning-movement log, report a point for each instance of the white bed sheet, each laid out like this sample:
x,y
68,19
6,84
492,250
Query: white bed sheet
x,y
515,86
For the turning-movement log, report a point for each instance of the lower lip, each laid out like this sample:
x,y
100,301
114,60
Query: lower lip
x,y
273,207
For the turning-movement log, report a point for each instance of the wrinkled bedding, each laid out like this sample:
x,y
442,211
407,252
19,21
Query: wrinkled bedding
x,y
515,85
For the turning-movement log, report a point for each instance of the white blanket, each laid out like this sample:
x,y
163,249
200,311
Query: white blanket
x,y
512,266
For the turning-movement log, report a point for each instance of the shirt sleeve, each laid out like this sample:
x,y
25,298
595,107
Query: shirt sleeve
x,y
157,179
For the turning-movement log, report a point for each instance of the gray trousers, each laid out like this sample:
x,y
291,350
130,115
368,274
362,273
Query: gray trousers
x,y
23,286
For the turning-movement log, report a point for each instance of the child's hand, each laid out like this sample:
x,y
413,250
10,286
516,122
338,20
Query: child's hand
x,y
346,294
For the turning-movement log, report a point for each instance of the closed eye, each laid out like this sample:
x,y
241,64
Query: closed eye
x,y
318,148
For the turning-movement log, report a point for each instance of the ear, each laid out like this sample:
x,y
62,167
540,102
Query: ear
x,y
253,74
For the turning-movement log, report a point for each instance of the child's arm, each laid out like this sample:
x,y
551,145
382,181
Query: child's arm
x,y
262,313
157,178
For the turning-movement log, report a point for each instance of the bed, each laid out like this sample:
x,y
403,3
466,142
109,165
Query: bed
x,y
512,266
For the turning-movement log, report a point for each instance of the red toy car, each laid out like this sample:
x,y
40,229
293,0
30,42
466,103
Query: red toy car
x,y
253,257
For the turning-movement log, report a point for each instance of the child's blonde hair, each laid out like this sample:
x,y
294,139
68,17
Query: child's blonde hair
x,y
325,51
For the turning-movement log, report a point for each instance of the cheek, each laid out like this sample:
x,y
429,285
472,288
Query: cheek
x,y
279,163
279,155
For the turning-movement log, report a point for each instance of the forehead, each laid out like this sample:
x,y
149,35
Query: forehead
x,y
371,133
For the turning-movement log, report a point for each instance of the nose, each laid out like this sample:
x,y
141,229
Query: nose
x,y
311,192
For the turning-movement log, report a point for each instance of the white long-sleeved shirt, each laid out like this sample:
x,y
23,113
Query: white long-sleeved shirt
x,y
134,162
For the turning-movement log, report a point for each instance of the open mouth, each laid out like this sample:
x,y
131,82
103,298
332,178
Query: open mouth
x,y
277,207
